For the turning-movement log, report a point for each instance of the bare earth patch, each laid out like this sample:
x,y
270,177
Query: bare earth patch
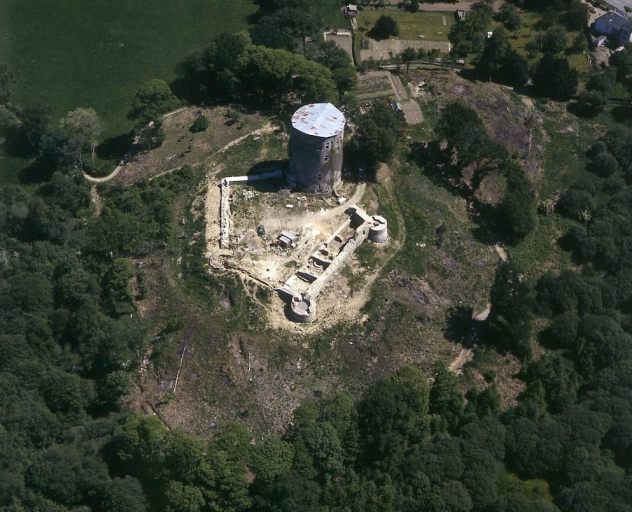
x,y
183,147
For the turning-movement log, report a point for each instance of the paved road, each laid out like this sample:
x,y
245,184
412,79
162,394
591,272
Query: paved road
x,y
620,5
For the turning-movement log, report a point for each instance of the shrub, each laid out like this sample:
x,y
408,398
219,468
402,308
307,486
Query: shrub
x,y
576,204
200,124
590,104
604,164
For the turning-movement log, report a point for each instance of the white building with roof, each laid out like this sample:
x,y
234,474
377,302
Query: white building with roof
x,y
617,27
316,148
351,10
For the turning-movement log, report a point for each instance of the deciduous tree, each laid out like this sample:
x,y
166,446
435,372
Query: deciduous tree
x,y
517,212
151,101
80,131
555,79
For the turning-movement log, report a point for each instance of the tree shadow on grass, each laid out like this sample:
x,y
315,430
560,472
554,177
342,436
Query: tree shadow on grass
x,y
38,171
459,324
271,185
268,166
435,164
17,145
115,147
470,75
487,230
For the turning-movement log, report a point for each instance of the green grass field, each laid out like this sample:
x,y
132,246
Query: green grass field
x,y
95,53
412,25
330,13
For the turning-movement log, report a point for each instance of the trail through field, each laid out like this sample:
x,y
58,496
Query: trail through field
x,y
465,356
265,129
467,353
96,201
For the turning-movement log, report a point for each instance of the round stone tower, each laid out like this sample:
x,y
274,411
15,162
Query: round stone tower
x,y
316,148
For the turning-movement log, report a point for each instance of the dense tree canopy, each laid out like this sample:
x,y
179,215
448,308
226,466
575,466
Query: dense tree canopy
x,y
7,83
230,68
468,36
555,79
500,62
378,133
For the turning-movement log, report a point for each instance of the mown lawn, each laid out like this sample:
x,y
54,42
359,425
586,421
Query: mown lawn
x,y
330,13
411,24
95,53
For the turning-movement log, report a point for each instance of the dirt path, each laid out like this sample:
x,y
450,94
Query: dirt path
x,y
502,253
265,129
96,201
467,354
464,357
118,168
103,179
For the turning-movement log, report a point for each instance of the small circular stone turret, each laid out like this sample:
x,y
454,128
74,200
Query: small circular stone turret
x,y
378,233
302,309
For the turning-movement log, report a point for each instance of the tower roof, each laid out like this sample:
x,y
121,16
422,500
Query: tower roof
x,y
319,120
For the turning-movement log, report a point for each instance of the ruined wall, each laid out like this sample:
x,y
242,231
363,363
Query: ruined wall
x,y
224,215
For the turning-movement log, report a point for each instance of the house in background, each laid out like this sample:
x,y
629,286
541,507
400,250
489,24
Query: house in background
x,y
351,10
616,27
